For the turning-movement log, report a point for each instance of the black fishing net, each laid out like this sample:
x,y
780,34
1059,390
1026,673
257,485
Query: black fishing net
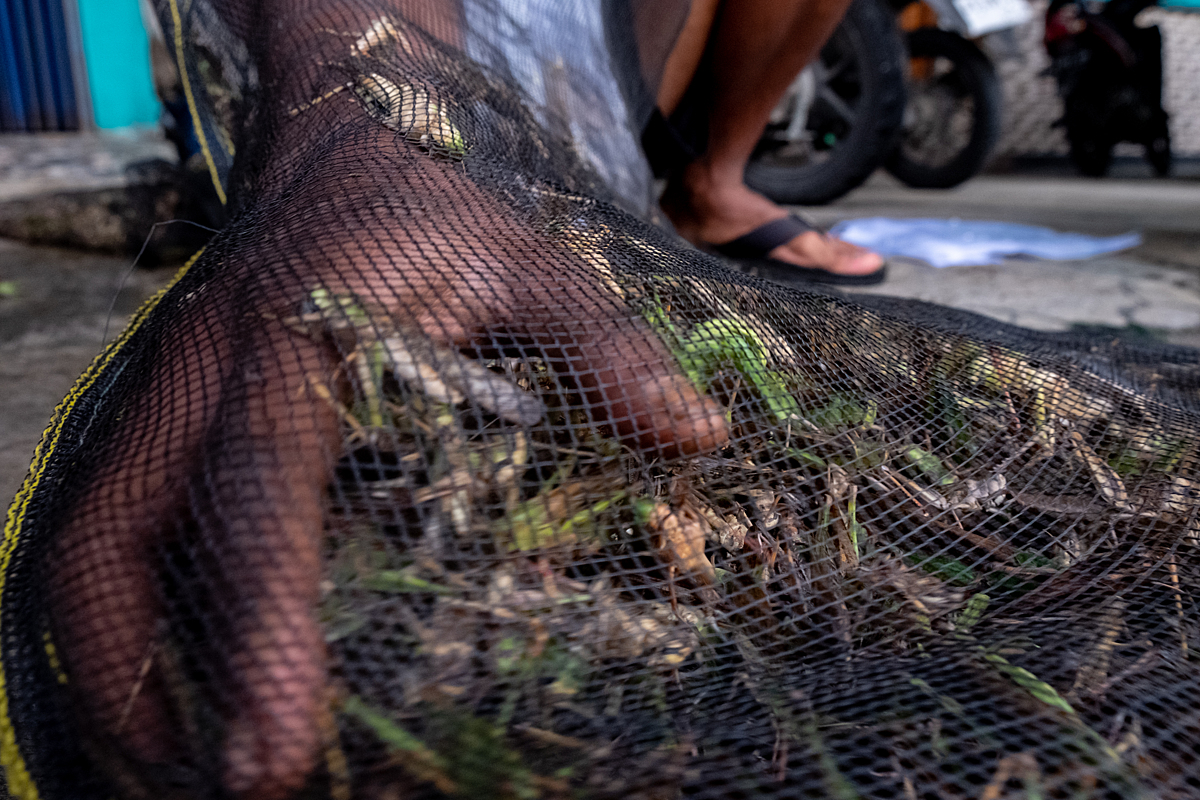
x,y
440,472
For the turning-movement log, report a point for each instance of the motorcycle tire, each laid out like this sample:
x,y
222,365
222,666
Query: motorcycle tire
x,y
953,117
853,120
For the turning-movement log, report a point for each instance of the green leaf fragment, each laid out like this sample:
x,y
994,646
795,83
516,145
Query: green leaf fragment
x,y
1022,677
950,570
529,528
422,762
930,466
948,703
843,411
853,527
396,581
388,731
806,457
346,305
470,761
723,343
974,611
1026,559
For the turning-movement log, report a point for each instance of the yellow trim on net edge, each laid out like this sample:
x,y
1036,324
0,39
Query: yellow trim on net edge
x,y
20,785
177,23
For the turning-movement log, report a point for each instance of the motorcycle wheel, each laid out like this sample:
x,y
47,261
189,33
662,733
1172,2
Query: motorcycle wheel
x,y
840,118
952,120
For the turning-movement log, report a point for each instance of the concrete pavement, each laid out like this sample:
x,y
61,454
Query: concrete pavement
x,y
55,312
1155,287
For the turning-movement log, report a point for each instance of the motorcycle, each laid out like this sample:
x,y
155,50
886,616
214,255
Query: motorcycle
x,y
929,111
1109,74
952,120
840,117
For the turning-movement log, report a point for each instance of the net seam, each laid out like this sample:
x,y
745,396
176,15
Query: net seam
x,y
186,80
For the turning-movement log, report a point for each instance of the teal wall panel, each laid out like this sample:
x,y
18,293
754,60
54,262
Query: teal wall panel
x,y
118,63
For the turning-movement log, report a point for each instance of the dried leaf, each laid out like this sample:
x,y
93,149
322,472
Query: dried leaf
x,y
1105,477
681,539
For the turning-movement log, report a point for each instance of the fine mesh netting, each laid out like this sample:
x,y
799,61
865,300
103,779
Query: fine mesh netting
x,y
438,474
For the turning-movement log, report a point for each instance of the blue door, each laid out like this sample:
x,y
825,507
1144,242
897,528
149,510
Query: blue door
x,y
37,88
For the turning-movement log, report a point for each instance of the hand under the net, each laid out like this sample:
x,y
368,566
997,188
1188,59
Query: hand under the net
x,y
222,462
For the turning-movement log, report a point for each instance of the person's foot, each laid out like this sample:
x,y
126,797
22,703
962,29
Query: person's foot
x,y
712,213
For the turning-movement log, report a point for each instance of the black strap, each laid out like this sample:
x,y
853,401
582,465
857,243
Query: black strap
x,y
759,242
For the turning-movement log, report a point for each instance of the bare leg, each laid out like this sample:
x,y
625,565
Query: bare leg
x,y
685,56
758,48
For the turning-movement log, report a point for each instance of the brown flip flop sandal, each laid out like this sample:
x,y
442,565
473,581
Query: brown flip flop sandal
x,y
753,248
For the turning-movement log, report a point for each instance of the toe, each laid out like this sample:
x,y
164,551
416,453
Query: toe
x,y
814,249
